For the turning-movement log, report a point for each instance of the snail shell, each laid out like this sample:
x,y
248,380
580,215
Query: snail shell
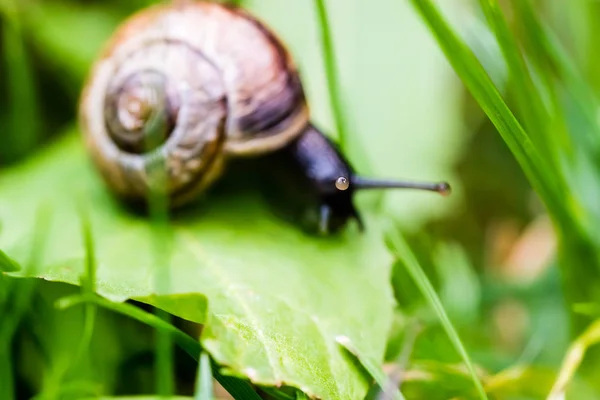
x,y
189,85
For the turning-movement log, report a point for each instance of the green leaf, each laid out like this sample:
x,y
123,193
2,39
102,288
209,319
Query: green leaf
x,y
276,297
192,307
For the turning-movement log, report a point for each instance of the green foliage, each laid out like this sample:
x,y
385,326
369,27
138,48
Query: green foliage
x,y
226,290
574,359
403,252
558,146
257,299
22,101
556,158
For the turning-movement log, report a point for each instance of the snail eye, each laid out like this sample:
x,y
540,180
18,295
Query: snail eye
x,y
342,183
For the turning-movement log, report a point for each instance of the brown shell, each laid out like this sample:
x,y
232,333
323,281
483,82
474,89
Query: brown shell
x,y
232,90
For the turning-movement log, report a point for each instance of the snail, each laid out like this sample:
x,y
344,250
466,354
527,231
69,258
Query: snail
x,y
196,84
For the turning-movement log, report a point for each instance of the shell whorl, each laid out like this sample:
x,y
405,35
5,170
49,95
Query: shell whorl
x,y
191,85
141,112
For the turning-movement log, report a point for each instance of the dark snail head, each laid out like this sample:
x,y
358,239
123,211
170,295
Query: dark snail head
x,y
318,183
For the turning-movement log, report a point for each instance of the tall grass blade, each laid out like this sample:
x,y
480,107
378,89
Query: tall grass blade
x,y
7,390
371,367
275,394
553,192
26,287
56,383
204,389
164,360
239,389
7,264
561,64
573,360
334,89
395,377
15,307
23,129
88,283
331,68
540,105
533,112
301,396
158,202
551,133
73,390
572,96
401,250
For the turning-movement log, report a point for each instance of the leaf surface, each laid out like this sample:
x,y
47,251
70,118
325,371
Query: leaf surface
x,y
277,298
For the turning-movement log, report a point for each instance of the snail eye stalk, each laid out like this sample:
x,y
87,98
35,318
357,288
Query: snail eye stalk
x,y
358,182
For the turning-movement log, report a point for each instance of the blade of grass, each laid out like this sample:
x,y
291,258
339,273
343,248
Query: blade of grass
x,y
88,284
555,196
187,343
7,390
573,360
529,101
578,101
204,389
23,128
548,49
238,388
56,381
395,377
371,367
333,88
331,66
19,301
512,379
275,394
71,390
7,264
301,396
164,360
401,250
534,43
158,200
26,287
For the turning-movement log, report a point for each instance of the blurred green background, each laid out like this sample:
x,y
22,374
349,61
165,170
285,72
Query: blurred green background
x,y
490,249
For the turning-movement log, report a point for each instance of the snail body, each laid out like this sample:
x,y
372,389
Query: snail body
x,y
193,85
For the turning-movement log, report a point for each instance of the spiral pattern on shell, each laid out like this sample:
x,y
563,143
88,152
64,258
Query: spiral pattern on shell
x,y
189,85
